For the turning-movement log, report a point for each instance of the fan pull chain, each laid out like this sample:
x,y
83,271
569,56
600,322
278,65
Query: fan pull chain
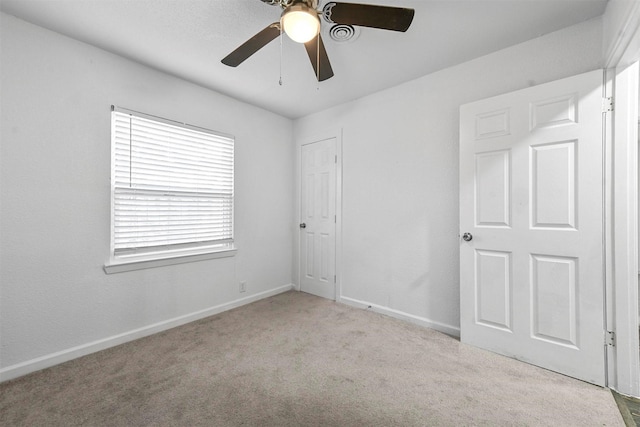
x,y
281,37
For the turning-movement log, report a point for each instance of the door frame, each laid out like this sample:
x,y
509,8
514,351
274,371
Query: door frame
x,y
621,199
299,142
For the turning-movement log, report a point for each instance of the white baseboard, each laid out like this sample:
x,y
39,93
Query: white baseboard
x,y
421,321
49,360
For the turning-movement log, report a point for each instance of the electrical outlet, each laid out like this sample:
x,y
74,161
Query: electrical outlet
x,y
243,286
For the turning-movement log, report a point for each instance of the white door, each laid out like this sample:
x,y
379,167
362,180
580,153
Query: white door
x,y
318,218
531,199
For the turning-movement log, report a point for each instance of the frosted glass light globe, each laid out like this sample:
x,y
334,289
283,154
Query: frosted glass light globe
x,y
301,23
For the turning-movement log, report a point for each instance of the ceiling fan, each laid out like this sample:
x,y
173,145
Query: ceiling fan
x,y
301,22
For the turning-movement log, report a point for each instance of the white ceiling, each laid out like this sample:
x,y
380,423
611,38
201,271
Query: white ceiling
x,y
188,38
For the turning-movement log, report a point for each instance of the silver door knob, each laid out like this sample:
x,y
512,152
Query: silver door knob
x,y
467,237
303,225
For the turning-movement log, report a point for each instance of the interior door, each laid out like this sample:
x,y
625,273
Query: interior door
x,y
318,218
531,218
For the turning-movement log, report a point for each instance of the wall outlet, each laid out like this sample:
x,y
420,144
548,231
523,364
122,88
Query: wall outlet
x,y
243,286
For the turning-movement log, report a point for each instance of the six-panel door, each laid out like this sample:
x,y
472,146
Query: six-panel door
x,y
531,195
318,214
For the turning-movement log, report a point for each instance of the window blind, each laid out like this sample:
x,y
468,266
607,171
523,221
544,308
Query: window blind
x,y
172,185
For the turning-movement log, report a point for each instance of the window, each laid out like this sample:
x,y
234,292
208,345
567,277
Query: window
x,y
172,191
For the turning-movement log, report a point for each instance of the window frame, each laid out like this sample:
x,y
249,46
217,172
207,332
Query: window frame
x,y
157,257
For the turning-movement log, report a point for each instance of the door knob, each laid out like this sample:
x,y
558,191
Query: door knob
x,y
303,225
467,237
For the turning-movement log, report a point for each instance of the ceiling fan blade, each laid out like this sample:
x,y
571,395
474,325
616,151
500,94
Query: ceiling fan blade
x,y
368,15
252,45
319,58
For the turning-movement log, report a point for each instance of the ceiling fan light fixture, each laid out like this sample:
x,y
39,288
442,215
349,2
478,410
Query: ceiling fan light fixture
x,y
300,22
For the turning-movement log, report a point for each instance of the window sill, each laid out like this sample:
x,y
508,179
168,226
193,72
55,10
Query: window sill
x,y
131,263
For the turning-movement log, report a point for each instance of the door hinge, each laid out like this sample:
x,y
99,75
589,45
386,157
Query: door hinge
x,y
610,338
334,278
607,104
336,159
335,219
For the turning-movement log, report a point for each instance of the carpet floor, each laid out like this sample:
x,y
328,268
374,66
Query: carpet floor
x,y
299,360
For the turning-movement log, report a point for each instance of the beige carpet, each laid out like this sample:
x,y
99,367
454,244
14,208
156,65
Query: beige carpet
x,y
299,360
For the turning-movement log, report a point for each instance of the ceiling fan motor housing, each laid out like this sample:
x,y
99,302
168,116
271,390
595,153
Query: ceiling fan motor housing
x,y
311,3
286,3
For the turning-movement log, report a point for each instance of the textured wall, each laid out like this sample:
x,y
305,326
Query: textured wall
x,y
400,171
55,211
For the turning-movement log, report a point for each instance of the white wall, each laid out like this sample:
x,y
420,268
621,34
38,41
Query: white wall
x,y
55,201
400,173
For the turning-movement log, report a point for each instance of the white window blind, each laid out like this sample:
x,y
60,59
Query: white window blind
x,y
172,185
